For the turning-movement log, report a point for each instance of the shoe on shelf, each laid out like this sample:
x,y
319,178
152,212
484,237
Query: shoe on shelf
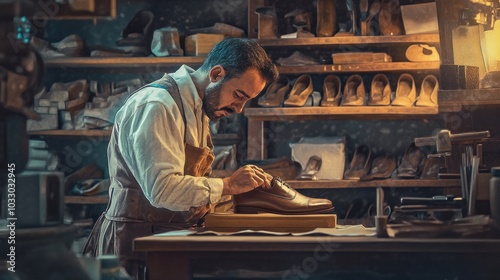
x,y
382,168
428,92
360,163
432,167
138,31
275,93
380,91
331,91
301,90
406,92
312,167
354,92
280,199
411,164
422,52
283,167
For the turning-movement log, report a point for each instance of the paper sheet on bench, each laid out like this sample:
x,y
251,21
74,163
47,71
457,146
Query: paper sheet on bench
x,y
340,230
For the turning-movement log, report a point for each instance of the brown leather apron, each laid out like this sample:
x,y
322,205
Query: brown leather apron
x,y
130,215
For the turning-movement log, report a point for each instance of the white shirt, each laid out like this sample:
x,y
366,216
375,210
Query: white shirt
x,y
151,140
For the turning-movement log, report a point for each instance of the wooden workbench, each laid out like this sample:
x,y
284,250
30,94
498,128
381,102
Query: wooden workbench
x,y
315,257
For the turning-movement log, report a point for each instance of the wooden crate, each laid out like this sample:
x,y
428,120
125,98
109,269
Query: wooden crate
x,y
201,44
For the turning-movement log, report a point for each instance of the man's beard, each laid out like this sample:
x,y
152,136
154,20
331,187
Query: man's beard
x,y
211,102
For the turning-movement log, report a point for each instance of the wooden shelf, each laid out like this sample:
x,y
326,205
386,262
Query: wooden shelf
x,y
400,183
350,40
72,133
340,112
361,67
101,199
128,62
458,100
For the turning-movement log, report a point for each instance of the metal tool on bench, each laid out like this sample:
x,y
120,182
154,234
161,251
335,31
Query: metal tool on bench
x,y
444,138
443,141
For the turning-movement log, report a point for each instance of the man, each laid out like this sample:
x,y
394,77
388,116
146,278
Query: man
x,y
160,149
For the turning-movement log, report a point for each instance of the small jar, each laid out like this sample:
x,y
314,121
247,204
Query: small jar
x,y
495,194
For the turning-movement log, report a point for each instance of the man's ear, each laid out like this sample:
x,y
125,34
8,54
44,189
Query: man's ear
x,y
217,73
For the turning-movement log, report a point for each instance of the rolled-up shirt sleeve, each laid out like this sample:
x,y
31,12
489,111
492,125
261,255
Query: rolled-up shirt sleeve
x,y
151,142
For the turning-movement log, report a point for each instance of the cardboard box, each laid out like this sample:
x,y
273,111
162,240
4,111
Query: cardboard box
x,y
201,44
331,150
420,18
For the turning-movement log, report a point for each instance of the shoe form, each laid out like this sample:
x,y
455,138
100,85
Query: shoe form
x,y
390,20
268,22
296,58
360,163
432,167
275,93
166,42
406,92
331,91
301,90
380,91
71,45
326,18
411,164
354,92
280,199
300,17
220,28
421,52
382,168
138,31
428,92
312,167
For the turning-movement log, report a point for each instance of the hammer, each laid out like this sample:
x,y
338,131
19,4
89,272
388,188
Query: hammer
x,y
442,140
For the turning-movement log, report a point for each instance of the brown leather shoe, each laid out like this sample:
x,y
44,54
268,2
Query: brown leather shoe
x,y
280,199
275,93
331,91
354,91
380,91
302,88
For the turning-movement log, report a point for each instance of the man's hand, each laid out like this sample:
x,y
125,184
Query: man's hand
x,y
246,179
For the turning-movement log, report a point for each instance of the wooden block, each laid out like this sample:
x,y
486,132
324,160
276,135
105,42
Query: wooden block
x,y
201,44
270,222
360,57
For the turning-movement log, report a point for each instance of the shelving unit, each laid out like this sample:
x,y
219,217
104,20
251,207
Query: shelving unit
x,y
350,40
360,67
343,184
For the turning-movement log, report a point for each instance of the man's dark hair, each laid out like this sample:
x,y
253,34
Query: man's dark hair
x,y
237,55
